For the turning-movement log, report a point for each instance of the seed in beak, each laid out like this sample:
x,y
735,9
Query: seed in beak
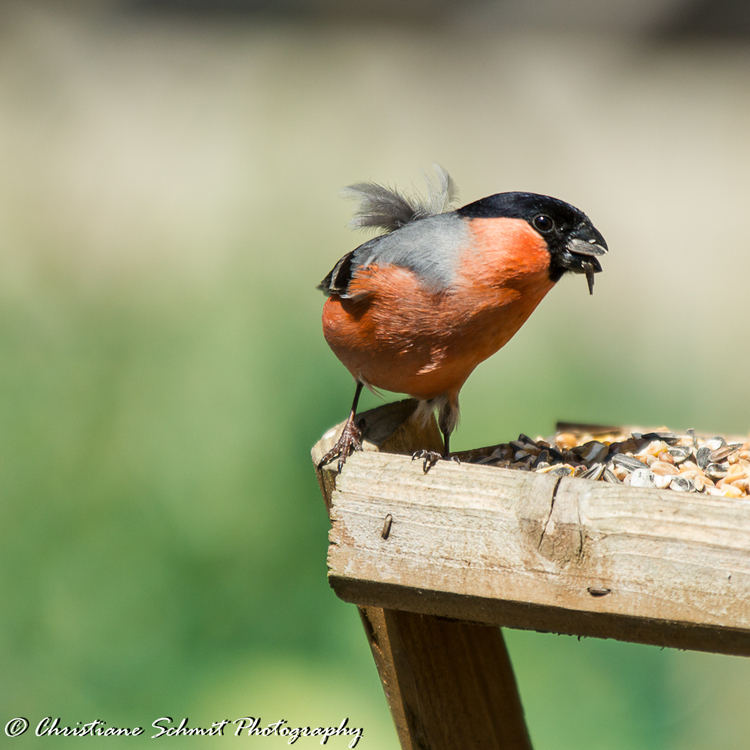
x,y
589,270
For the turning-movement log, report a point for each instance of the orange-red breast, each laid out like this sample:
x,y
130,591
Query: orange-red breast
x,y
417,308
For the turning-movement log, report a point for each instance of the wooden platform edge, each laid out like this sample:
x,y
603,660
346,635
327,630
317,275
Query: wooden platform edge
x,y
544,619
531,551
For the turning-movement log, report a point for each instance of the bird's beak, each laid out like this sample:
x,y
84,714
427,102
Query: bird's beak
x,y
581,251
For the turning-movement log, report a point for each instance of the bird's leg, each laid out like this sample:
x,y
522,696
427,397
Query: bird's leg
x,y
350,440
447,420
447,455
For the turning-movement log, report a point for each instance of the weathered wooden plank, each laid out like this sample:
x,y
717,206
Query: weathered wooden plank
x,y
525,550
449,685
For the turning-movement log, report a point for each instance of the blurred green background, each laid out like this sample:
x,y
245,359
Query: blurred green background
x,y
169,176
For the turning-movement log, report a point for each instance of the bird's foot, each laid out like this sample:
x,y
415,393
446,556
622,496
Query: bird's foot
x,y
350,441
430,458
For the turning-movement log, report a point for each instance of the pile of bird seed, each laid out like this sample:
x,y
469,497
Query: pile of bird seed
x,y
660,459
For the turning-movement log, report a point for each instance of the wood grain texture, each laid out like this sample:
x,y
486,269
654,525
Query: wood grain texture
x,y
450,684
526,550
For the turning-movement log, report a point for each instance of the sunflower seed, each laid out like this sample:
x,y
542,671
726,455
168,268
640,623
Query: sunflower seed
x,y
542,458
609,476
628,462
594,451
496,455
667,437
715,471
594,472
724,452
555,456
681,484
702,457
680,453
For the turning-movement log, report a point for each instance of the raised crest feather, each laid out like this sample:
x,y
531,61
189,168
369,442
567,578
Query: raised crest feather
x,y
389,209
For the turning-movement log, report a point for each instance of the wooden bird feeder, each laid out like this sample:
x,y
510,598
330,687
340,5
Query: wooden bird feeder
x,y
437,561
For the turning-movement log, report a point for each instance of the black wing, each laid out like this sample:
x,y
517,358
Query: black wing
x,y
341,275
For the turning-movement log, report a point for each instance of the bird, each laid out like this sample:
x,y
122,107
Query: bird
x,y
415,309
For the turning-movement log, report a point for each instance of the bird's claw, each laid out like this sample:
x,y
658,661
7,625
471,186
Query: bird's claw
x,y
428,458
349,442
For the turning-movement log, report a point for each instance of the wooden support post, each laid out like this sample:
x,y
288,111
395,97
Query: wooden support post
x,y
449,684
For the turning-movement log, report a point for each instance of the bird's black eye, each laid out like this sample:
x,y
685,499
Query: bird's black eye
x,y
543,223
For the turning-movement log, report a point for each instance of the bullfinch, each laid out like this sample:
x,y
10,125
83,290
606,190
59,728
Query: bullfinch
x,y
418,307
